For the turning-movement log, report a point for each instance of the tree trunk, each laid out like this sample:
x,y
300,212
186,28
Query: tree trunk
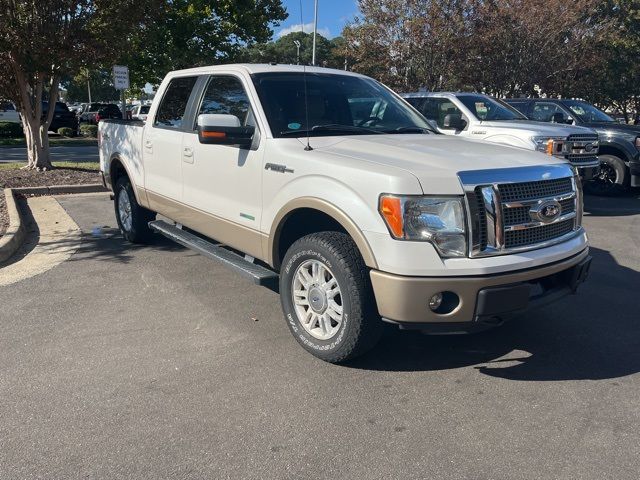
x,y
37,144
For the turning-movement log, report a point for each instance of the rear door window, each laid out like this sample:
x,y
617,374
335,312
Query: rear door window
x,y
174,103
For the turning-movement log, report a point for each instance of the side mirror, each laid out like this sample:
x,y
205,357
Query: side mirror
x,y
454,121
220,129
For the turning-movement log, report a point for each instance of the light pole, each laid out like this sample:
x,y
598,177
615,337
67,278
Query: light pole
x,y
315,31
297,44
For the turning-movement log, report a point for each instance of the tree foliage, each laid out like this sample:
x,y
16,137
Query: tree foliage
x,y
329,53
579,48
43,41
188,33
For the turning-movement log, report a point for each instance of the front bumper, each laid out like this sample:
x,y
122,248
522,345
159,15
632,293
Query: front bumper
x,y
475,302
634,170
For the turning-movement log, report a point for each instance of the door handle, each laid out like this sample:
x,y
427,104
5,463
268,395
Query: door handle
x,y
148,144
188,152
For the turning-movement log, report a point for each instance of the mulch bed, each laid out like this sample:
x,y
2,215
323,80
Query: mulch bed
x,y
15,178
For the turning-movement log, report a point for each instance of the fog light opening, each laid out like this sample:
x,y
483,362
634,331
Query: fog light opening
x,y
444,302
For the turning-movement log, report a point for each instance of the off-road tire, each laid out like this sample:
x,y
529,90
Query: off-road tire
x,y
139,231
617,177
361,325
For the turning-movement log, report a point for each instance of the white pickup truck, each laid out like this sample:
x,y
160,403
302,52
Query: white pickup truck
x,y
329,186
482,117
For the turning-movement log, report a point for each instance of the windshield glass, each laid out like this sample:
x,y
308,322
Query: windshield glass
x,y
587,112
337,105
486,108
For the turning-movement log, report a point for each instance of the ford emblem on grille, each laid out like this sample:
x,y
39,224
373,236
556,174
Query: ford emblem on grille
x,y
545,212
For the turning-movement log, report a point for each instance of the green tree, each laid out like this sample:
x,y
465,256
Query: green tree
x,y
285,51
187,33
41,42
99,81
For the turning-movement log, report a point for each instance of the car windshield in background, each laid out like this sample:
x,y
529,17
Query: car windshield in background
x,y
588,113
337,105
487,109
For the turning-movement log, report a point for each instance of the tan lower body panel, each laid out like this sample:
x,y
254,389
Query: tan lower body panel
x,y
235,236
405,299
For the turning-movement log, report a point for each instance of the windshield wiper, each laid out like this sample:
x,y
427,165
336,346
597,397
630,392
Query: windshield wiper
x,y
332,127
408,129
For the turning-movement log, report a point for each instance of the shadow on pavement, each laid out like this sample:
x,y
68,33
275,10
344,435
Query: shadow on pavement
x,y
594,335
619,206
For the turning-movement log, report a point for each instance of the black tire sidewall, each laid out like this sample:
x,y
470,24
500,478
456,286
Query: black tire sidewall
x,y
595,186
325,349
139,230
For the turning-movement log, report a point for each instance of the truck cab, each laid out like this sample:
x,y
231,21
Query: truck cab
x,y
481,117
619,150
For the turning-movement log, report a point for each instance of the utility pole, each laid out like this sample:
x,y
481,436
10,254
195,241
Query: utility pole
x,y
88,86
315,31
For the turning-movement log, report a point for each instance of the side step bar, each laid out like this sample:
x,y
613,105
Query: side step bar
x,y
256,273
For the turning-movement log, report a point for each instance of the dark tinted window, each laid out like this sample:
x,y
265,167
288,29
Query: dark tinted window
x,y
520,106
174,102
6,106
226,96
548,112
144,109
332,101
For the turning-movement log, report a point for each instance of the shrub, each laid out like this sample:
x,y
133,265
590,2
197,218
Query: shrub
x,y
65,132
89,130
10,130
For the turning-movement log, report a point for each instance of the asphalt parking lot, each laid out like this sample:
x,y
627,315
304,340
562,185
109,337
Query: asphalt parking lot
x,y
153,362
80,153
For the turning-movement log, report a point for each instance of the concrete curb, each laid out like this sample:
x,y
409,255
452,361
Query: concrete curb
x,y
13,237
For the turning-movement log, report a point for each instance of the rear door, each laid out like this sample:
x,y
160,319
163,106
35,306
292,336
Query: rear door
x,y
162,142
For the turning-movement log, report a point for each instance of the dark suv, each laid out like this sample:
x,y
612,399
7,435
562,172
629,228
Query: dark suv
x,y
619,143
62,117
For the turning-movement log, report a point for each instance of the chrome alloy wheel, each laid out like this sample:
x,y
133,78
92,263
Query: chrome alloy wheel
x,y
317,299
124,210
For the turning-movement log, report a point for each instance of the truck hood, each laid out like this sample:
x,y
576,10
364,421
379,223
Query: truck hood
x,y
537,129
613,127
434,160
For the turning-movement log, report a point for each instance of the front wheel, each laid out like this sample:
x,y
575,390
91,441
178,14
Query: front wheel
x,y
612,178
133,220
327,298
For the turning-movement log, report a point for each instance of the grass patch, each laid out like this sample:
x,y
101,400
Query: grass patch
x,y
53,141
76,165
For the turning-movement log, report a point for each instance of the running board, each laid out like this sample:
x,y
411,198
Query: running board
x,y
258,274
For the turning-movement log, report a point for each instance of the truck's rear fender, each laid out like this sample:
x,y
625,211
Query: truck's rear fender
x,y
121,153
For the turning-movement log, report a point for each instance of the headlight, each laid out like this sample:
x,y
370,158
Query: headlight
x,y
548,145
439,220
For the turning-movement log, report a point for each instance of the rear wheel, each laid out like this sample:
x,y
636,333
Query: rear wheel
x,y
327,298
612,179
133,219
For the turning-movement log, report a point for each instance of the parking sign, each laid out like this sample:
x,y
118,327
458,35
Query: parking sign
x,y
120,77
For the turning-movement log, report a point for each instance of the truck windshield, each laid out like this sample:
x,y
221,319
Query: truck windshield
x,y
587,113
336,104
487,108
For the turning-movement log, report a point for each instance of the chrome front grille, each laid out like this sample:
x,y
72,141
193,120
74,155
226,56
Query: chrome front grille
x,y
520,208
510,192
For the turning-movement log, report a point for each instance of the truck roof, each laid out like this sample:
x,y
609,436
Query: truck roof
x,y
251,68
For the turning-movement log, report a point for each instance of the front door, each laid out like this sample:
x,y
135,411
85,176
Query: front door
x,y
225,181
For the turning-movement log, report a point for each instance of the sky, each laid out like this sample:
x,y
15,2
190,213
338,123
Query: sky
x,y
332,16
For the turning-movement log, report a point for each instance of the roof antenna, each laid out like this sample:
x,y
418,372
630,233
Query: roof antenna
x,y
307,148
